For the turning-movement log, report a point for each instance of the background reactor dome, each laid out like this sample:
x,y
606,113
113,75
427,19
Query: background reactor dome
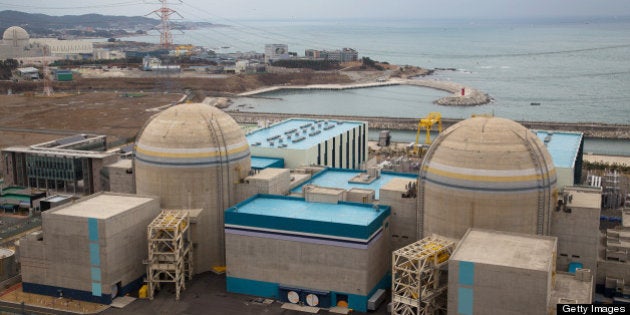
x,y
15,36
193,156
486,172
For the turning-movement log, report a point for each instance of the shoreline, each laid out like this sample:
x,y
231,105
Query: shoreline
x,y
470,97
590,129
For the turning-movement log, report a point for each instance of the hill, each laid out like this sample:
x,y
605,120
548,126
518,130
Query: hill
x,y
47,25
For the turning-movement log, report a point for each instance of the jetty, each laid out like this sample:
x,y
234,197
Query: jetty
x,y
461,95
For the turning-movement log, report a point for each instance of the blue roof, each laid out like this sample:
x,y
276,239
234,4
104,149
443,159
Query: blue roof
x,y
299,133
563,146
295,214
338,178
260,163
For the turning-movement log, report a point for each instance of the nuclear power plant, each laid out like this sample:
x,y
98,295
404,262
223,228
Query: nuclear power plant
x,y
495,221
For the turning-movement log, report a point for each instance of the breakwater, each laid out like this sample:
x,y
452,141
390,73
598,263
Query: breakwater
x,y
469,97
592,130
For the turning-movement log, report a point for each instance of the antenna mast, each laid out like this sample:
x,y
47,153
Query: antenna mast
x,y
166,37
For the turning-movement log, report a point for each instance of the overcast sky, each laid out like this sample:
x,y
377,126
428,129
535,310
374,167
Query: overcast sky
x,y
208,10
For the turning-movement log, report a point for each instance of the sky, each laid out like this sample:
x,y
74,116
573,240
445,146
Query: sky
x,y
206,10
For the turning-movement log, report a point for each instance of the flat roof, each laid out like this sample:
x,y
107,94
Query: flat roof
x,y
295,214
568,289
101,206
259,162
339,178
311,132
515,250
563,146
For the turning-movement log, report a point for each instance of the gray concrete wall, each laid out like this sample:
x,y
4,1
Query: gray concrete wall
x,y
403,217
121,180
314,266
578,237
502,290
126,244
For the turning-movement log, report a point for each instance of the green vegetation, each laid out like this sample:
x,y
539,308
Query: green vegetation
x,y
308,64
622,168
6,68
366,62
114,62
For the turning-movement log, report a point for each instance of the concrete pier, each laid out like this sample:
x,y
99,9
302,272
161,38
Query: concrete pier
x,y
470,97
595,130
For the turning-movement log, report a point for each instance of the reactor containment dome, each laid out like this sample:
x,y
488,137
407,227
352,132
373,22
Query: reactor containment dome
x,y
16,36
193,156
486,172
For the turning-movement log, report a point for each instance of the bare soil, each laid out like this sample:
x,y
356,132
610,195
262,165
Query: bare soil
x,y
26,120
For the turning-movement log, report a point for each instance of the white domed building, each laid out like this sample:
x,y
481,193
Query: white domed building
x,y
486,172
193,156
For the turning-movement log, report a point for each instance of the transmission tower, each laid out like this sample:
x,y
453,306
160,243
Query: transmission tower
x,y
165,13
48,90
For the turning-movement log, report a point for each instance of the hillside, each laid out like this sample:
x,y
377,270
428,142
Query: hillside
x,y
47,25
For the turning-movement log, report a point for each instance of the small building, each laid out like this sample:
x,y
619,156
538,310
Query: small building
x,y
492,272
20,198
91,250
317,254
63,75
54,201
304,142
28,73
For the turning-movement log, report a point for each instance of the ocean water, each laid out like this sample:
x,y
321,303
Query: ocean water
x,y
577,69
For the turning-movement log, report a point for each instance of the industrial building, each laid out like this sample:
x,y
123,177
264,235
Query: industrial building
x,y
193,156
304,142
492,272
69,165
341,55
275,52
16,44
566,150
90,250
314,253
501,173
613,266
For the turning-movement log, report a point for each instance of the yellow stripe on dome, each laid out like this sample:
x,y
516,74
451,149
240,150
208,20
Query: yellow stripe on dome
x,y
191,155
486,178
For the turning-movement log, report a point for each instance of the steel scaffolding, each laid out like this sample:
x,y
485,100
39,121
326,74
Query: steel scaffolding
x,y
416,284
170,253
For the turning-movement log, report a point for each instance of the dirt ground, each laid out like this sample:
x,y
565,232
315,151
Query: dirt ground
x,y
26,120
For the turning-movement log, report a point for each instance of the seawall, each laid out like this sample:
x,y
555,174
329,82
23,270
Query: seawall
x,y
470,97
594,130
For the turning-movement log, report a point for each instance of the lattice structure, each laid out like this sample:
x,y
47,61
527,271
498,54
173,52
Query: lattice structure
x,y
165,13
170,252
416,286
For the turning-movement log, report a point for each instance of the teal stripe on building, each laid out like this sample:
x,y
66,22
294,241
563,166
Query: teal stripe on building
x,y
465,293
95,256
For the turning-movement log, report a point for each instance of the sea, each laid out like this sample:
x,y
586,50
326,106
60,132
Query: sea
x,y
572,69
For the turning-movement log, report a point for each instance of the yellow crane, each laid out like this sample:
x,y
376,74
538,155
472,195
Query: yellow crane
x,y
427,123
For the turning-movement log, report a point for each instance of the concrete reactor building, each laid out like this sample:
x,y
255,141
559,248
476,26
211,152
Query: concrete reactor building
x,y
502,174
193,156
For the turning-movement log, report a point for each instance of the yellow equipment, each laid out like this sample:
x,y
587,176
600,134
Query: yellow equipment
x,y
427,123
